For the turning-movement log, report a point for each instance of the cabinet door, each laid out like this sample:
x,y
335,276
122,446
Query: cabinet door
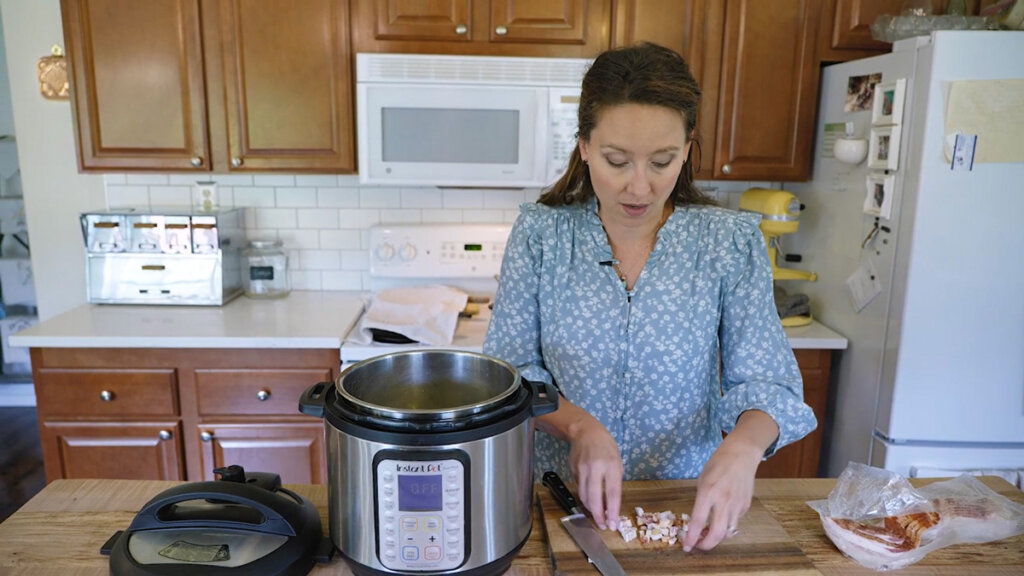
x,y
800,459
846,28
768,90
287,86
447,20
121,450
294,450
681,25
136,73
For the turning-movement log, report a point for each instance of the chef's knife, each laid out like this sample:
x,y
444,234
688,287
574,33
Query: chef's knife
x,y
580,528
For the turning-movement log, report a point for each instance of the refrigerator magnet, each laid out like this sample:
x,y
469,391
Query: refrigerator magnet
x,y
880,190
884,148
888,105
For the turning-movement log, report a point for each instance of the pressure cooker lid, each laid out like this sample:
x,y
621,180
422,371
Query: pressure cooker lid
x,y
428,385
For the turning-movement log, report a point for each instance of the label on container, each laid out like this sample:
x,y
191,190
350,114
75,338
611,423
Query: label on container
x,y
261,272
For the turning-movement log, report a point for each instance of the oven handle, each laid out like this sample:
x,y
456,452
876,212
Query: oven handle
x,y
312,401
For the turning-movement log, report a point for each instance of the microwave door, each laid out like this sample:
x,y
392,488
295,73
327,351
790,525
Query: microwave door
x,y
454,135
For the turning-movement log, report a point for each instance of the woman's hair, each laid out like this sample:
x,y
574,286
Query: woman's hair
x,y
645,73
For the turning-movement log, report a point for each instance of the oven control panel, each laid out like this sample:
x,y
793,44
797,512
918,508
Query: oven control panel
x,y
437,251
421,513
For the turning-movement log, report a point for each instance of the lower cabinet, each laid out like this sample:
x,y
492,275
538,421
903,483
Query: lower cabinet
x,y
800,459
177,414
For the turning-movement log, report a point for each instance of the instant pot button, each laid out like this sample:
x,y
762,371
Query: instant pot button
x,y
454,555
453,524
410,553
432,523
389,529
452,541
389,519
453,504
391,554
409,524
389,543
388,504
432,553
387,476
388,490
452,476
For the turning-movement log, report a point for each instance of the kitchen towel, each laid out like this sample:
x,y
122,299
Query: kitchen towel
x,y
426,314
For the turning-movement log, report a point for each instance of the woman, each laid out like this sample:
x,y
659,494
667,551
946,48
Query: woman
x,y
627,288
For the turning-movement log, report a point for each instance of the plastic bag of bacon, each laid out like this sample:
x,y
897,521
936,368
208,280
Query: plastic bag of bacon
x,y
879,520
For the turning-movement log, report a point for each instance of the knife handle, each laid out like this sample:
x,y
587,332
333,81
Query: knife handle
x,y
560,492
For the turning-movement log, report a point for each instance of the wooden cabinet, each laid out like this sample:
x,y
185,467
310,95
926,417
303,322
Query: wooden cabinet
x,y
767,89
846,29
800,459
554,28
222,85
176,414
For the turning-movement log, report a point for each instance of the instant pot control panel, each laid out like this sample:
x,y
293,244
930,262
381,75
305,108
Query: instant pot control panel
x,y
422,509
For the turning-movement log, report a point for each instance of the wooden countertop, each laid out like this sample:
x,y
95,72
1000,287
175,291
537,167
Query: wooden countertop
x,y
62,528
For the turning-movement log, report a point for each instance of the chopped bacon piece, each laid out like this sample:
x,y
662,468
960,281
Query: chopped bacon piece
x,y
660,528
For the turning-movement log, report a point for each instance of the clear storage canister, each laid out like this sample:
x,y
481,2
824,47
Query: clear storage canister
x,y
266,270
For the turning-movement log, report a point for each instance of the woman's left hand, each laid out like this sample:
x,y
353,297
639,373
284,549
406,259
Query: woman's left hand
x,y
725,487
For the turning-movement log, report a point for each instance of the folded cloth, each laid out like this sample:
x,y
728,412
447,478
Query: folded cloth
x,y
426,314
791,304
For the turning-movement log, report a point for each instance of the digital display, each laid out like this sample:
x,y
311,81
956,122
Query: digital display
x,y
473,247
419,493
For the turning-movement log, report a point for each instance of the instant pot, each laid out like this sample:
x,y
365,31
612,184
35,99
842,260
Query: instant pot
x,y
430,458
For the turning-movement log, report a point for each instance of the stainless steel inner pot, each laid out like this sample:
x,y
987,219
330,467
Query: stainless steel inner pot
x,y
428,384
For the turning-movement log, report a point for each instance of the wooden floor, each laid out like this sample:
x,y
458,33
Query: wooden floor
x,y
21,459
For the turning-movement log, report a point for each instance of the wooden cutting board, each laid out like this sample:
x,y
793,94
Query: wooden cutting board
x,y
760,547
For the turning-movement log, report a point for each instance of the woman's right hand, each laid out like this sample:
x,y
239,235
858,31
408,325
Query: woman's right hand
x,y
593,460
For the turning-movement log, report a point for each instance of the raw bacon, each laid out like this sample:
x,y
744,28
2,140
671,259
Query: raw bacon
x,y
654,528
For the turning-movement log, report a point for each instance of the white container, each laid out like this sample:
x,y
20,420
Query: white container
x,y
266,270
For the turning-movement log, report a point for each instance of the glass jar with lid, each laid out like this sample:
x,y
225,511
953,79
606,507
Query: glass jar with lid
x,y
265,273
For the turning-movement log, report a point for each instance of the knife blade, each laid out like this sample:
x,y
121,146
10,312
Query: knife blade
x,y
581,529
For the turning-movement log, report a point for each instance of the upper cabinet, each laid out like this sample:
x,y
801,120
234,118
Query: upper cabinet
x,y
846,29
276,94
767,88
553,28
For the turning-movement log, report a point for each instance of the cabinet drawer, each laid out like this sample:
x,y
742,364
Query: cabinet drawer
x,y
110,393
235,392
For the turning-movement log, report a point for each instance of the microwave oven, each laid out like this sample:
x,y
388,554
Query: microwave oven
x,y
465,121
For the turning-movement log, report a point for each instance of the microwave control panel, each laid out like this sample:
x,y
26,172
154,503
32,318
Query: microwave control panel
x,y
437,251
563,104
421,513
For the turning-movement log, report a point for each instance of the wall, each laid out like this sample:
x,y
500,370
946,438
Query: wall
x,y
323,219
55,193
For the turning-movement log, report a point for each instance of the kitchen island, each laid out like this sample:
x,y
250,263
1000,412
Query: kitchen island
x,y
61,529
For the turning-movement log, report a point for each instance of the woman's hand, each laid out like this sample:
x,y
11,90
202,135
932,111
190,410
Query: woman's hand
x,y
593,460
725,487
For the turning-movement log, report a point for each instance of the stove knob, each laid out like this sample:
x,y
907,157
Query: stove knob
x,y
408,252
385,252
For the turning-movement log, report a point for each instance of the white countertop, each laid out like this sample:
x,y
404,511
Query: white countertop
x,y
815,336
315,320
302,320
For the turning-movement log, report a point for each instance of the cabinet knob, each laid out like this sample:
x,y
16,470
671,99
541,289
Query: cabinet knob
x,y
165,435
106,395
726,169
461,29
236,162
196,161
205,436
263,395
501,30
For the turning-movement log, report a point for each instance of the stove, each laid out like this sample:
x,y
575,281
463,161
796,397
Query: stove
x,y
464,256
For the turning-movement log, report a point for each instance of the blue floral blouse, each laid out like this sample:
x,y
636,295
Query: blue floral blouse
x,y
645,362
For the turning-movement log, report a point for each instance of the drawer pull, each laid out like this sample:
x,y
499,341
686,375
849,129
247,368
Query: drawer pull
x,y
461,29
106,395
205,436
501,30
165,435
263,395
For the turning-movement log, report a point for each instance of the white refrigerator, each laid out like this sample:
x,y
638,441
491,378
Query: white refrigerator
x,y
933,380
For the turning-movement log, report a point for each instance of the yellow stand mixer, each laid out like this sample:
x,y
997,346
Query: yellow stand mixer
x,y
780,214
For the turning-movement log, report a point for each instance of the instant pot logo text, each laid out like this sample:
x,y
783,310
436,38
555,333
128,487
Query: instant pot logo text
x,y
417,468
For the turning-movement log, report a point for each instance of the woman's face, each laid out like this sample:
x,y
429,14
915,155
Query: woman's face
x,y
634,154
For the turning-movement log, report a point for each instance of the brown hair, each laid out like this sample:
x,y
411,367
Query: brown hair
x,y
645,73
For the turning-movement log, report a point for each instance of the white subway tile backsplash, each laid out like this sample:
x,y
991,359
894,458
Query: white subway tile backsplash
x,y
273,180
339,239
295,197
380,198
170,196
463,199
324,219
337,197
319,259
318,217
276,218
146,179
359,218
260,196
123,196
344,280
